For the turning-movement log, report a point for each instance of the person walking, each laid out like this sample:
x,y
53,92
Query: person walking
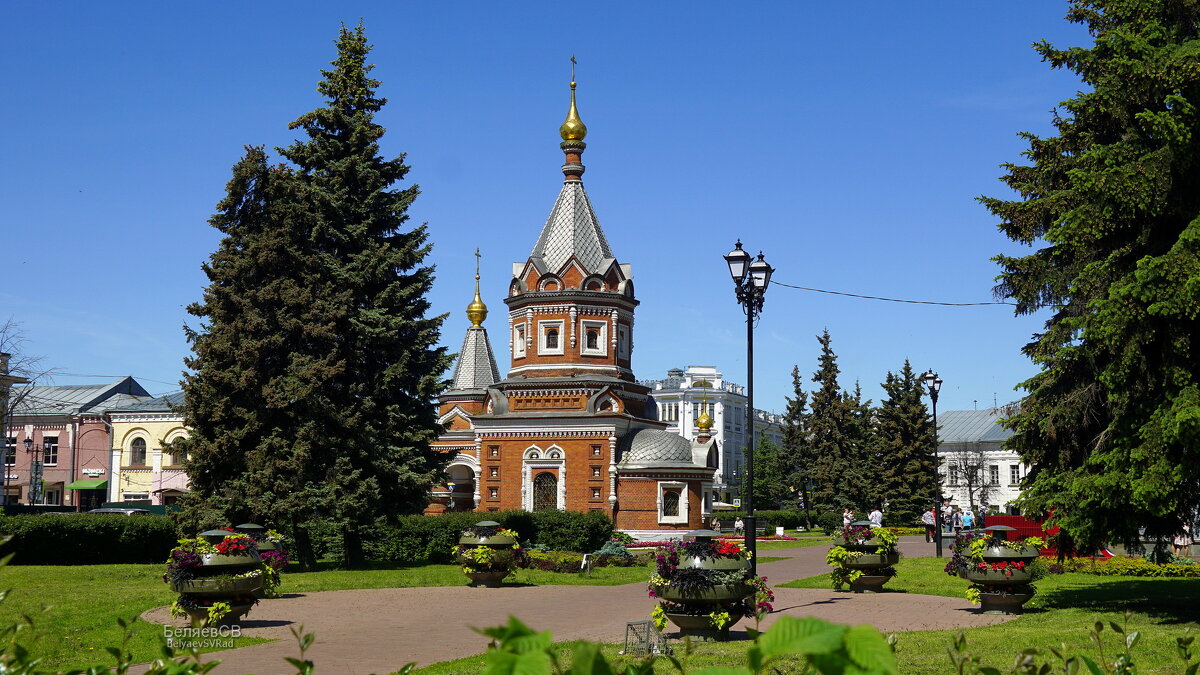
x,y
968,517
1180,543
876,517
947,517
957,522
929,518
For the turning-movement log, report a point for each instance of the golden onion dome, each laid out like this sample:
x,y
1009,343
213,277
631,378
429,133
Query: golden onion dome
x,y
704,422
573,129
477,311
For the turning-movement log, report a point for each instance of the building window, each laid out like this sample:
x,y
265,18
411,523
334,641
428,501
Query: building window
x,y
596,472
595,494
50,450
595,336
494,472
493,451
622,341
493,493
12,494
137,452
10,450
545,492
551,337
53,497
595,451
994,474
1014,474
952,474
672,503
176,457
519,341
135,496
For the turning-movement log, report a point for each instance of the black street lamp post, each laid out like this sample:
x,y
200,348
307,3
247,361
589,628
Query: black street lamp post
x,y
35,471
750,281
933,384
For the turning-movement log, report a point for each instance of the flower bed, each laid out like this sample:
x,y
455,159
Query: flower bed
x,y
488,553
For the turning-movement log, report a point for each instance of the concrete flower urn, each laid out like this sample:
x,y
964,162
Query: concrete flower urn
x,y
487,553
217,567
1001,573
871,551
702,585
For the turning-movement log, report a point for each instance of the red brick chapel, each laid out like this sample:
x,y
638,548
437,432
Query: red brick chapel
x,y
567,428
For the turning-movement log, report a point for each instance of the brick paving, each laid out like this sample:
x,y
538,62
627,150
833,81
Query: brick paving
x,y
379,630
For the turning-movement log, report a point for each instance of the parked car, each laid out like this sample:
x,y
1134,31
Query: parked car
x,y
125,512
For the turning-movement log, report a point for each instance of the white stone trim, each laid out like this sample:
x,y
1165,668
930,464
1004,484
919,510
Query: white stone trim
x,y
601,348
533,459
542,328
680,519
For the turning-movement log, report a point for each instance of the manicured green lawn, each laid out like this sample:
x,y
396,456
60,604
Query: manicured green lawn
x,y
84,602
1066,607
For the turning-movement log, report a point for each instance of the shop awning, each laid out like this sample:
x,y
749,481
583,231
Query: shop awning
x,y
88,484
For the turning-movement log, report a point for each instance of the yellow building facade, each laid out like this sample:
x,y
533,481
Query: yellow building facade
x,y
143,467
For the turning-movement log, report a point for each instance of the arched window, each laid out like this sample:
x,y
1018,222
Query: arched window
x,y
670,503
552,338
545,492
137,452
593,338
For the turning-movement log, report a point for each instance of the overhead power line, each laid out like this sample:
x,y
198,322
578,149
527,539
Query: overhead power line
x,y
876,297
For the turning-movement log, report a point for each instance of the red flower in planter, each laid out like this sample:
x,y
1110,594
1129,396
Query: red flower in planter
x,y
234,545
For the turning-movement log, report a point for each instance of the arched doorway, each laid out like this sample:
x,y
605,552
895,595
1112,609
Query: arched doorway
x,y
545,491
461,496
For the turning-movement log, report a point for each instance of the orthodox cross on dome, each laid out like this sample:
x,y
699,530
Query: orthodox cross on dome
x,y
477,311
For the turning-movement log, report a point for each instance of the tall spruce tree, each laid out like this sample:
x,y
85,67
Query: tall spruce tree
x,y
795,443
833,441
904,443
771,477
340,393
1111,424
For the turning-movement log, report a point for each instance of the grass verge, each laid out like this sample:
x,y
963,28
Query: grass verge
x,y
1060,616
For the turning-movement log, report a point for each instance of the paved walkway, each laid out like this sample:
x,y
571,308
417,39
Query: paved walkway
x,y
379,630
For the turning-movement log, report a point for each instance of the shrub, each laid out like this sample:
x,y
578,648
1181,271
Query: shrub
x,y
572,531
613,548
1130,567
828,521
89,539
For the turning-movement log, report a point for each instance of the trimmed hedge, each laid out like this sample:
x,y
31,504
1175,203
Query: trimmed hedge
x,y
428,539
88,539
1127,567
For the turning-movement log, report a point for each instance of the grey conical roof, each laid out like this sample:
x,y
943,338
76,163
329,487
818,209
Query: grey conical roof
x,y
476,367
572,229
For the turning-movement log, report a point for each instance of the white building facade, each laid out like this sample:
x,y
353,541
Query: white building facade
x,y
976,470
686,393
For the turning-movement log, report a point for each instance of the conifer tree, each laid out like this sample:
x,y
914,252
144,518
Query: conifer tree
x,y
795,443
1111,424
833,444
334,380
771,478
904,437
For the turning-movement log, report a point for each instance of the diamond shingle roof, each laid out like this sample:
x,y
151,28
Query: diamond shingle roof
x,y
572,229
476,367
655,447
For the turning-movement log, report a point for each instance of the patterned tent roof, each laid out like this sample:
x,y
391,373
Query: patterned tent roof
x,y
572,229
476,367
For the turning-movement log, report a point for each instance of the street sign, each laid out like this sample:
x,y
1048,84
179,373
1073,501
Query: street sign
x,y
737,502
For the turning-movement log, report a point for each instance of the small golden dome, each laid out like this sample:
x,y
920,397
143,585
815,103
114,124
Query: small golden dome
x,y
704,422
477,311
573,129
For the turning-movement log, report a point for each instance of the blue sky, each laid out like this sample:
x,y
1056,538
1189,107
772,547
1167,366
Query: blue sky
x,y
847,141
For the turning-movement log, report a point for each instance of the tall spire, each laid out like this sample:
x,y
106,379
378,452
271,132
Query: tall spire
x,y
477,311
573,131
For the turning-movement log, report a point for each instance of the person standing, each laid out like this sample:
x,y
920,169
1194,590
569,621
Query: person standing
x,y
968,518
876,517
947,517
847,517
956,521
929,518
1181,541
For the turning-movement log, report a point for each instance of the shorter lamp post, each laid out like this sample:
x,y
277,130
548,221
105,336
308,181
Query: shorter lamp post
x,y
35,470
933,384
